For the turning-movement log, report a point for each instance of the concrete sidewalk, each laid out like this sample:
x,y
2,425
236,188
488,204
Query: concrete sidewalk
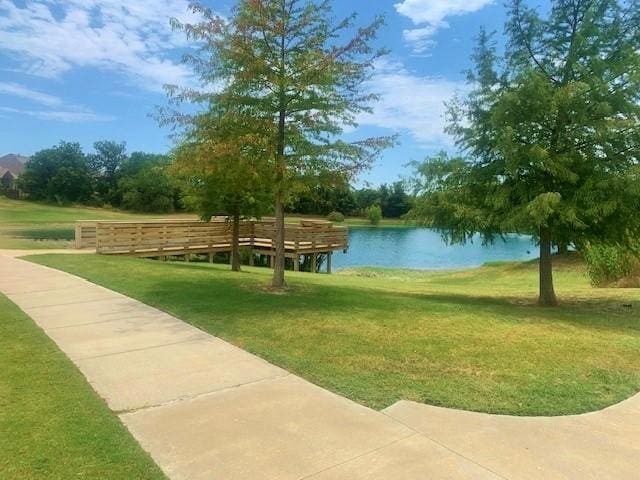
x,y
205,409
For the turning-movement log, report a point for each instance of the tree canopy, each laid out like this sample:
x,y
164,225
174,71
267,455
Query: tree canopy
x,y
58,174
107,176
549,133
225,164
287,62
105,164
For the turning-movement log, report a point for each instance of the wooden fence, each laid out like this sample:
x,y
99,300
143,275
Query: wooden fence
x,y
162,238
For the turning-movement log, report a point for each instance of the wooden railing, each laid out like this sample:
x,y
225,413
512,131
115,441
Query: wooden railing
x,y
85,234
164,237
312,237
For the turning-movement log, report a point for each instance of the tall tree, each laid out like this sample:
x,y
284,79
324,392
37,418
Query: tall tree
x,y
394,202
550,133
105,163
224,162
287,62
58,174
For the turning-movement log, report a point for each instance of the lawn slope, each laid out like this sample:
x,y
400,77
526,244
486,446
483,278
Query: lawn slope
x,y
469,339
52,424
31,225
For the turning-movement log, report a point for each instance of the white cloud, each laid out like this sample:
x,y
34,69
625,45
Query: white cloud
x,y
134,38
411,103
57,109
17,90
429,16
67,116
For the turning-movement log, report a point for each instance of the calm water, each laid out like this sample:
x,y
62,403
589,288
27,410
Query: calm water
x,y
422,248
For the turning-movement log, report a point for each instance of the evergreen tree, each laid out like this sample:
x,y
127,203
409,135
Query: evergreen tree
x,y
550,134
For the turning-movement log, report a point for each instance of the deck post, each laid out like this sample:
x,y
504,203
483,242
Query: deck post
x,y
78,236
329,255
314,262
210,257
187,257
296,262
252,258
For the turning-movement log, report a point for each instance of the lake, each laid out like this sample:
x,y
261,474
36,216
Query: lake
x,y
423,248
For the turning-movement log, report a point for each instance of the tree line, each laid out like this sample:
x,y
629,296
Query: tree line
x,y
151,183
108,176
395,200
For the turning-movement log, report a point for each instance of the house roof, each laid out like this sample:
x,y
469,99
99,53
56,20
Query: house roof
x,y
4,172
13,163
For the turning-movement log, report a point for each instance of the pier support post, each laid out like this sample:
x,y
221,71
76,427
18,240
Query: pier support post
x,y
78,236
296,263
329,255
314,262
252,258
210,257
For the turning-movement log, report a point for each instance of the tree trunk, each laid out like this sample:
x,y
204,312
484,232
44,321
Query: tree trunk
x,y
562,248
279,260
281,166
278,265
235,244
547,296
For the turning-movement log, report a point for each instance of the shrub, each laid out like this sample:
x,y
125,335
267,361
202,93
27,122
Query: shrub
x,y
608,264
335,217
374,214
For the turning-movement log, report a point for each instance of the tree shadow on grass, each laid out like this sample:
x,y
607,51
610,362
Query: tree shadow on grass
x,y
243,296
191,290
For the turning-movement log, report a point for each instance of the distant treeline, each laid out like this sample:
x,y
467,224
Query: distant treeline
x,y
322,199
109,176
144,182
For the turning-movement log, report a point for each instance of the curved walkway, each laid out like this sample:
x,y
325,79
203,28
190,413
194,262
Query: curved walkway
x,y
205,409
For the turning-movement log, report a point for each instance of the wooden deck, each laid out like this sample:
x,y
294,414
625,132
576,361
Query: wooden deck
x,y
163,238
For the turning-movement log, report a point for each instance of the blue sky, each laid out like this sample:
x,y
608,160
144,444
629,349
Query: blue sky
x,y
87,70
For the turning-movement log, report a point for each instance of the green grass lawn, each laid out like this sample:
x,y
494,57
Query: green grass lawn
x,y
469,339
52,424
31,225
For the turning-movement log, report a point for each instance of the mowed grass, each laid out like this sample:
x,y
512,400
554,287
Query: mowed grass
x,y
52,424
31,225
471,339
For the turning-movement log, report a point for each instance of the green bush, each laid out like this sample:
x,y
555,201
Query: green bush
x,y
609,264
374,214
335,217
